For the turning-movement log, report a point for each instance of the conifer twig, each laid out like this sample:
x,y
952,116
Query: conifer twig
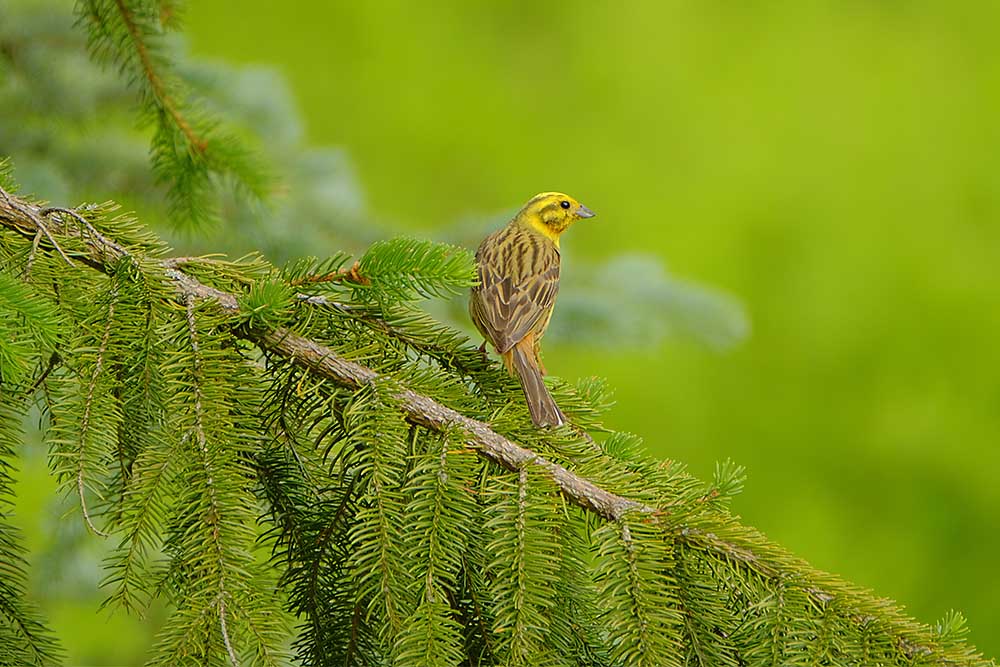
x,y
213,517
32,213
83,221
225,631
31,255
85,420
156,84
351,275
177,262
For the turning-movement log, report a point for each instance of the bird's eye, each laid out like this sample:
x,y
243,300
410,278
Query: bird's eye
x,y
564,204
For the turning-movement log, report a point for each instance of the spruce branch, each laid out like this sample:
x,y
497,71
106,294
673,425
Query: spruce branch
x,y
88,404
188,147
155,81
525,565
24,637
22,217
323,361
427,412
214,516
713,534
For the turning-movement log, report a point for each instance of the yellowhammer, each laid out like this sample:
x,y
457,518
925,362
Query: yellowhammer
x,y
518,282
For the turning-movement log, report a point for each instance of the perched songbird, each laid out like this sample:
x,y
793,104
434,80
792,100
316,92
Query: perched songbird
x,y
518,282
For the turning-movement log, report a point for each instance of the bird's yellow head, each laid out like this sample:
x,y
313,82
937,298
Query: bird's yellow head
x,y
551,213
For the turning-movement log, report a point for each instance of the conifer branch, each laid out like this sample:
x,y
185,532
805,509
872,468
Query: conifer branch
x,y
214,517
189,148
88,404
419,409
156,85
427,412
726,540
24,218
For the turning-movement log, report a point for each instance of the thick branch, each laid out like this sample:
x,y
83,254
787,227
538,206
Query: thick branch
x,y
33,222
28,220
429,413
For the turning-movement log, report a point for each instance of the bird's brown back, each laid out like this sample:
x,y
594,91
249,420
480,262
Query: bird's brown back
x,y
519,280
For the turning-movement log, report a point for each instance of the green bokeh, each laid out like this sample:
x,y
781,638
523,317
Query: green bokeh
x,y
835,165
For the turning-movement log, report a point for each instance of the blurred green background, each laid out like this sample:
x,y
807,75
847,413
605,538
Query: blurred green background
x,y
833,165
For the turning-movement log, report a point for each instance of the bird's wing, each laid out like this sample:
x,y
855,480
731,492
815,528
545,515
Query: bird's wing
x,y
516,293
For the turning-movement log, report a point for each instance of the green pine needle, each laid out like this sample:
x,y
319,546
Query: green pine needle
x,y
402,269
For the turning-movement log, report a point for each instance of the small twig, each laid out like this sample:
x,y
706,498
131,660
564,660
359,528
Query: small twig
x,y
31,255
86,223
177,262
85,419
318,300
54,244
225,630
53,362
350,275
35,218
86,513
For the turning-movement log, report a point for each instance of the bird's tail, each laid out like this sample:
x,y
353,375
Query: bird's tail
x,y
541,405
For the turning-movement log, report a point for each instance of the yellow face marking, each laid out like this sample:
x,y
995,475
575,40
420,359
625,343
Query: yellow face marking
x,y
545,230
551,213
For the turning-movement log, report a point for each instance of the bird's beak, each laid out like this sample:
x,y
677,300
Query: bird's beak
x,y
585,212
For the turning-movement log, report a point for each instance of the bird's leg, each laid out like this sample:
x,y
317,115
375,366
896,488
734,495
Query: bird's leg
x,y
482,351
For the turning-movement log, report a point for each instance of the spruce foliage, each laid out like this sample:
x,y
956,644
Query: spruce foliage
x,y
305,465
24,639
188,147
275,504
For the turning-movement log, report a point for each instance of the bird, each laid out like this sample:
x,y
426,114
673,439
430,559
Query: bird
x,y
518,280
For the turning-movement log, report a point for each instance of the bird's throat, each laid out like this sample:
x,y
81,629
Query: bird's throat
x,y
543,229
